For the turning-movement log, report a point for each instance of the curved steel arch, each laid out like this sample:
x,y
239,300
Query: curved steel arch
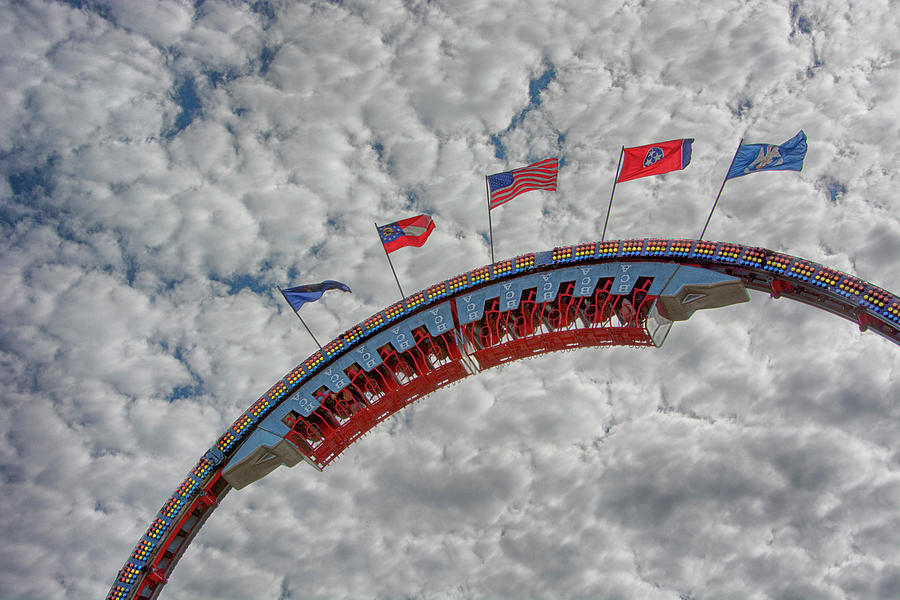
x,y
624,292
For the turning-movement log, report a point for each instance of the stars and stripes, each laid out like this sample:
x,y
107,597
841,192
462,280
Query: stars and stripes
x,y
505,186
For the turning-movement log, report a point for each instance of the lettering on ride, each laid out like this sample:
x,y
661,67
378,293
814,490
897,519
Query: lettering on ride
x,y
585,283
624,279
439,321
401,340
337,378
509,297
471,308
366,359
307,405
546,288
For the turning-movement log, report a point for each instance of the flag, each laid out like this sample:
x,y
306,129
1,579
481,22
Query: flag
x,y
301,294
506,186
655,159
753,158
407,232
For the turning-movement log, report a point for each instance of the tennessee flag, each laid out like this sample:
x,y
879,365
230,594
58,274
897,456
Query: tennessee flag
x,y
655,159
406,232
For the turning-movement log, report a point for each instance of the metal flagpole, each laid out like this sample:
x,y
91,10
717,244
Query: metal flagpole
x,y
487,186
301,318
389,262
702,233
619,166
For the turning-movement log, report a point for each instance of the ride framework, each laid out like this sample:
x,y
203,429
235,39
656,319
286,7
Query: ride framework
x,y
625,292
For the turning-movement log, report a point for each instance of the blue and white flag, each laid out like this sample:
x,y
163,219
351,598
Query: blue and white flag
x,y
301,294
753,158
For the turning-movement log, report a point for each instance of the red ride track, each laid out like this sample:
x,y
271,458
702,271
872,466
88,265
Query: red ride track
x,y
435,361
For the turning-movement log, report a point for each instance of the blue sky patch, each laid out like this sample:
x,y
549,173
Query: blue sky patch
x,y
535,87
257,285
186,97
265,59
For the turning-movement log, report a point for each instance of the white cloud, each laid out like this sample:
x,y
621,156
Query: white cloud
x,y
144,231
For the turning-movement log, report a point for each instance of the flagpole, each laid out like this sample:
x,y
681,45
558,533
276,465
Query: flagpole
x,y
487,187
308,330
618,166
389,262
702,233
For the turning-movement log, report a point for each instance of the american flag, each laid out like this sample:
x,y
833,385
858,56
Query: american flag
x,y
503,187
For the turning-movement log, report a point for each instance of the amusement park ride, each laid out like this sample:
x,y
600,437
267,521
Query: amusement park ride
x,y
611,293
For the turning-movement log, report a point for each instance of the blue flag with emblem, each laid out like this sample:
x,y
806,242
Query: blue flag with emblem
x,y
754,158
310,292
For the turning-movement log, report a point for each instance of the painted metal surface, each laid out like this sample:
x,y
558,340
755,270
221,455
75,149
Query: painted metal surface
x,y
869,306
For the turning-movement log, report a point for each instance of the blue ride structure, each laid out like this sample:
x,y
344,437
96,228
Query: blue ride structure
x,y
622,292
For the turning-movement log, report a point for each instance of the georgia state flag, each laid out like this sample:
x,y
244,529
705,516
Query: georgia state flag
x,y
406,232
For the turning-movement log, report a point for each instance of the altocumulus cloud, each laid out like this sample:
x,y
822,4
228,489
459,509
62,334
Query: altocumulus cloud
x,y
166,165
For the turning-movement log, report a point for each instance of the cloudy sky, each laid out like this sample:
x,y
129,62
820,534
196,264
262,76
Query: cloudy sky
x,y
166,165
